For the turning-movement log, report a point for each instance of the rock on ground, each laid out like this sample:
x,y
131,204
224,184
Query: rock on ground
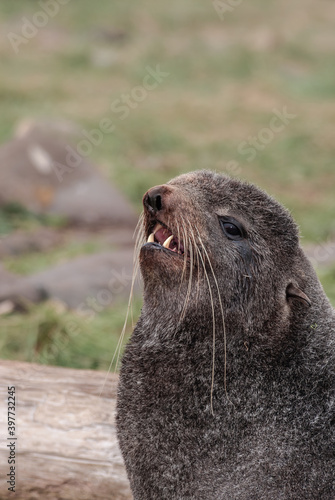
x,y
43,171
21,242
87,283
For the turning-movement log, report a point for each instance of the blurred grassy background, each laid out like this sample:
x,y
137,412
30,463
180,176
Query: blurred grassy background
x,y
225,78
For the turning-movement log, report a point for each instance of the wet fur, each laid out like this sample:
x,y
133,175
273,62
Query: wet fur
x,y
233,402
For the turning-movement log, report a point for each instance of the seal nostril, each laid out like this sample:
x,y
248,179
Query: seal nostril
x,y
154,201
158,202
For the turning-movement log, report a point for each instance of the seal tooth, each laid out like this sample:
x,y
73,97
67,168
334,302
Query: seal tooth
x,y
157,228
151,238
168,241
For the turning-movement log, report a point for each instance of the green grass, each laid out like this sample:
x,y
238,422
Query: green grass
x,y
14,216
327,278
34,262
225,79
52,336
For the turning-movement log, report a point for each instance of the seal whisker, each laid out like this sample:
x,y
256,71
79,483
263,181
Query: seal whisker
x,y
197,255
188,251
189,287
214,332
223,323
139,235
185,249
212,306
140,240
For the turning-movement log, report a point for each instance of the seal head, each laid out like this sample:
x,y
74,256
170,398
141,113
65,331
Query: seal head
x,y
213,239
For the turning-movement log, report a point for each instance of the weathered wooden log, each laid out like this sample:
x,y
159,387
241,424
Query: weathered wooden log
x,y
66,446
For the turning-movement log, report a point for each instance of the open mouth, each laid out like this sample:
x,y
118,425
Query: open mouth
x,y
164,237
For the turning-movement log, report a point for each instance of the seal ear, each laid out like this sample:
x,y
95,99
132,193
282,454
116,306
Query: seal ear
x,y
294,292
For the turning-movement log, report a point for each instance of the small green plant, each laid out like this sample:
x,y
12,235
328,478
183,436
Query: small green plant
x,y
15,216
48,334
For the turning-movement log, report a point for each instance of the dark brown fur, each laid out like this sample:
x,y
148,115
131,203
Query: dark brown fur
x,y
244,411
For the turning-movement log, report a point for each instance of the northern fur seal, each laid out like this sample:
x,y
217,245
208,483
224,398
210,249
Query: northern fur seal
x,y
226,388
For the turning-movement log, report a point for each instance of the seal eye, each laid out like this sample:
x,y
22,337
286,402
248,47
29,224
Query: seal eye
x,y
231,230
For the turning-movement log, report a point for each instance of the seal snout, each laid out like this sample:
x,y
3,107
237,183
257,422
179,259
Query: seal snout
x,y
157,205
155,200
